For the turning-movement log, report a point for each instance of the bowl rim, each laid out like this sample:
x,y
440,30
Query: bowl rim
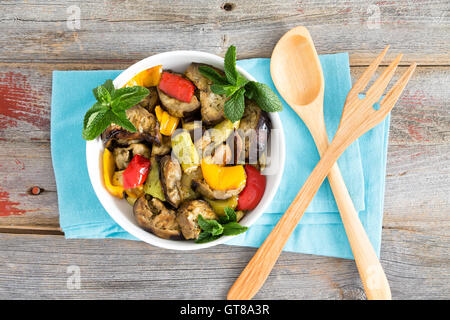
x,y
139,232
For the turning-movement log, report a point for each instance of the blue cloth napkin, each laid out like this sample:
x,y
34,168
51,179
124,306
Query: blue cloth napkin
x,y
320,231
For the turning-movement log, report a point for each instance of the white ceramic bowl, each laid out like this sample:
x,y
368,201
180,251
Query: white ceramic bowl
x,y
121,211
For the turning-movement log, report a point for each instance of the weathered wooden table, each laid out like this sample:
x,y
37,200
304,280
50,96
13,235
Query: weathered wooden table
x,y
37,37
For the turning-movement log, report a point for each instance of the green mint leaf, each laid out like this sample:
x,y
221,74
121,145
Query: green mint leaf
x,y
218,89
233,228
125,98
96,123
95,108
235,105
241,80
223,219
226,90
204,237
264,97
108,85
102,95
211,226
120,118
230,65
212,75
231,214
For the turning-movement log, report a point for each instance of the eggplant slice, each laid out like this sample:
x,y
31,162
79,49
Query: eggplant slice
x,y
212,109
202,187
254,130
187,217
146,125
123,156
145,122
193,74
141,149
152,215
115,135
150,101
170,174
164,148
176,107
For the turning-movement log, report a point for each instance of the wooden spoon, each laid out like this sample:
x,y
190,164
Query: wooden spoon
x,y
297,74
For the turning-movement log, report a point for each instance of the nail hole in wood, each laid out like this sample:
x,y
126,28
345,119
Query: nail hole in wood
x,y
228,6
35,190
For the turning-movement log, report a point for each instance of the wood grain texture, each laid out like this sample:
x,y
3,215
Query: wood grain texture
x,y
35,39
420,117
35,266
132,30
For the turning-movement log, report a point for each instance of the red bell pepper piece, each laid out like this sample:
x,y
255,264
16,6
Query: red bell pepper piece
x,y
254,189
176,87
136,172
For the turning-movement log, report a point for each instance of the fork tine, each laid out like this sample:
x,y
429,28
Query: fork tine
x,y
376,90
389,100
362,82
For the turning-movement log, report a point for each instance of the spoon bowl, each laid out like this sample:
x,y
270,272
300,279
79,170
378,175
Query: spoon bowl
x,y
295,68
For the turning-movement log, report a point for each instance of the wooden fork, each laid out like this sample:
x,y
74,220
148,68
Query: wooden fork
x,y
358,117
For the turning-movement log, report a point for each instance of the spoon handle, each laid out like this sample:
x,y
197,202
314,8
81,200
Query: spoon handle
x,y
258,269
370,270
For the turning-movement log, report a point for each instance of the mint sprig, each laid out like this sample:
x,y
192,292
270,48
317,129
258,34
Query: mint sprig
x,y
111,108
213,229
235,87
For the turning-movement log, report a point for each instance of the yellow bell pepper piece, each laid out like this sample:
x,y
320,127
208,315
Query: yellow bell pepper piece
x,y
159,112
223,178
167,123
146,78
108,172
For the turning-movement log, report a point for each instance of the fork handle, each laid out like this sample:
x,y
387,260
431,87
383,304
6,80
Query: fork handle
x,y
370,270
258,269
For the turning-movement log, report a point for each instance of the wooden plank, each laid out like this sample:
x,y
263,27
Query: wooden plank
x,y
420,117
132,30
36,266
417,189
412,171
25,98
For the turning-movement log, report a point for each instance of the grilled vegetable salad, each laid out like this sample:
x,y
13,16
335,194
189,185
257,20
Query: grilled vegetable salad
x,y
185,150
